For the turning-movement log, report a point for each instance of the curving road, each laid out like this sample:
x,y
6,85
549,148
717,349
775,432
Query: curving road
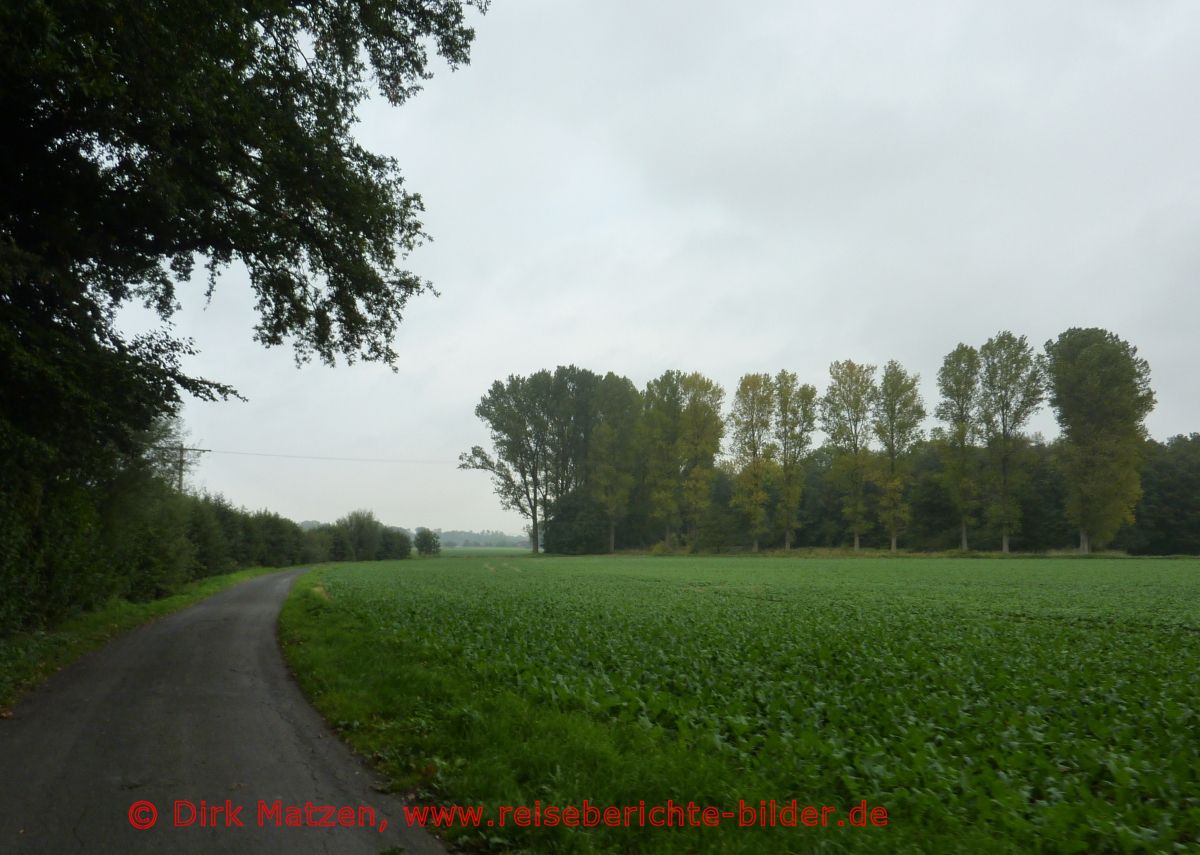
x,y
196,706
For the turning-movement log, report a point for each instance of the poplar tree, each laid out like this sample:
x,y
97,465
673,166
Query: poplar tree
x,y
898,412
846,418
682,430
753,449
701,430
662,413
958,382
613,449
1011,387
795,419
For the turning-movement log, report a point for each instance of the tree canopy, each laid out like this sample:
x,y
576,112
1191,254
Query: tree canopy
x,y
514,411
144,139
232,141
427,541
1100,390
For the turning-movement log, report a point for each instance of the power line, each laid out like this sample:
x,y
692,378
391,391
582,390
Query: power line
x,y
180,449
322,457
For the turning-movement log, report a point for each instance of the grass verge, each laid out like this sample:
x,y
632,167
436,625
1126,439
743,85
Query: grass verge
x,y
28,658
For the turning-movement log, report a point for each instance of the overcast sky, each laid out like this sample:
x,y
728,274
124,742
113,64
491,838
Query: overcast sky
x,y
727,188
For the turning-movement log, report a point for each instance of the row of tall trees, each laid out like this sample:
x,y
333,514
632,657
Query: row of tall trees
x,y
591,461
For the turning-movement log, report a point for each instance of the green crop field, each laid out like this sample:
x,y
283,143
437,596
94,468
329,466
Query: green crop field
x,y
988,705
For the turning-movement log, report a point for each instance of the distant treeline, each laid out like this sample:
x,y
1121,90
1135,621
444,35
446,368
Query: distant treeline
x,y
596,464
453,538
71,543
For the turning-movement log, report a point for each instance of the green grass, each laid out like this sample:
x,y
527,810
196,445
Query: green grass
x,y
482,551
989,705
29,658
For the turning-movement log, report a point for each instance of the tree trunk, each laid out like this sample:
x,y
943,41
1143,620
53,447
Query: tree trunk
x,y
964,547
755,549
1004,494
787,539
612,537
533,534
893,541
856,541
1084,546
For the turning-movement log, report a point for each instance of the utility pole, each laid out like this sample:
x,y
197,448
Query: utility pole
x,y
181,460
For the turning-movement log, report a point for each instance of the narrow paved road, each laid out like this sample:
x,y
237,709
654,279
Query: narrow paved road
x,y
196,706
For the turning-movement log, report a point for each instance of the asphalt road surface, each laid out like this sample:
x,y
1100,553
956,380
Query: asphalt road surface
x,y
196,706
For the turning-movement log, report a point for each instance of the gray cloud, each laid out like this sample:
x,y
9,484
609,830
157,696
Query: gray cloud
x,y
732,188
